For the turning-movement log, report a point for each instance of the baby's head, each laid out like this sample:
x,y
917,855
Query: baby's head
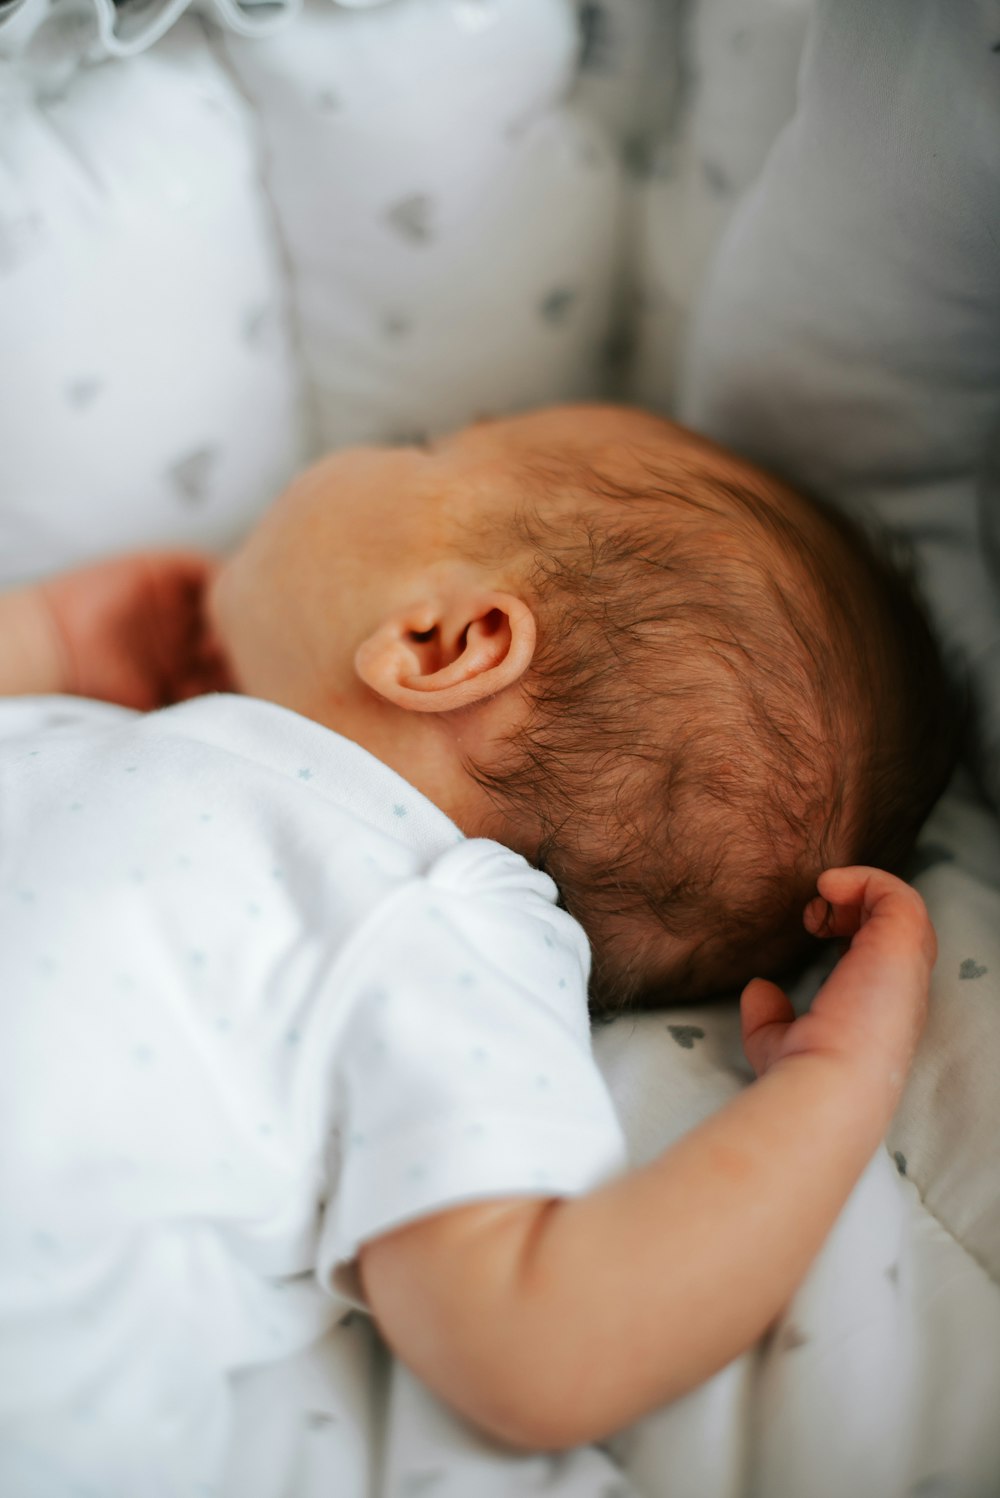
x,y
667,679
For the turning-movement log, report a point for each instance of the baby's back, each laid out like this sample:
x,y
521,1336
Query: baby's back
x,y
176,893
261,1002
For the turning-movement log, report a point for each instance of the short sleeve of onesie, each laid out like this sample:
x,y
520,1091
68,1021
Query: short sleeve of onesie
x,y
465,1067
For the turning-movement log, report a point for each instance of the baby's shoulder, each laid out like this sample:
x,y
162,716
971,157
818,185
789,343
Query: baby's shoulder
x,y
484,915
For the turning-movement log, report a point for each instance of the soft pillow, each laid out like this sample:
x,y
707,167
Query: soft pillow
x,y
277,229
849,333
738,61
142,306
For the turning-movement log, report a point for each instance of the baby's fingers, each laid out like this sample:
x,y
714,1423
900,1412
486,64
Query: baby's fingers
x,y
849,898
844,902
765,1015
874,1002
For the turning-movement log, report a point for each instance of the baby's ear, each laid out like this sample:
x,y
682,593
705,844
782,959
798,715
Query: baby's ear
x,y
443,654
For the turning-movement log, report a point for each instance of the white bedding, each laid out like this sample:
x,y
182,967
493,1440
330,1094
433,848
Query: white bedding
x,y
882,1379
226,250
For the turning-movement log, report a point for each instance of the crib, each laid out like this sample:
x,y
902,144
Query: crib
x,y
236,233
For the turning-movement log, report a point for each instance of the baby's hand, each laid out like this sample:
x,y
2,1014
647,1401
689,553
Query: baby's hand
x,y
871,1009
133,631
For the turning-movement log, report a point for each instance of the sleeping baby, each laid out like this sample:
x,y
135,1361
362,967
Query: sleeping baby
x,y
572,706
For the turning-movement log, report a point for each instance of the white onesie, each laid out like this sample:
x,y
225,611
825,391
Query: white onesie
x,y
260,1001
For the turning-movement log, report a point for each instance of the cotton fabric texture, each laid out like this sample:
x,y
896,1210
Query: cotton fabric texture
x,y
262,1001
222,252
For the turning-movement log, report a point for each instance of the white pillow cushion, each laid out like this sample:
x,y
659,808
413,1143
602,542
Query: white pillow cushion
x,y
226,253
449,223
739,64
849,333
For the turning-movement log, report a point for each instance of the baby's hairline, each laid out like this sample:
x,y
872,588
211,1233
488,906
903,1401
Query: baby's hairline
x,y
685,472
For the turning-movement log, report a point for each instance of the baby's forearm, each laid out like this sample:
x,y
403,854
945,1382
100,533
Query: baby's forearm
x,y
684,1265
553,1325
32,658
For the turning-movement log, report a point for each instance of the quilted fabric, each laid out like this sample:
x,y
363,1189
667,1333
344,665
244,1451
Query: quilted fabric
x,y
223,253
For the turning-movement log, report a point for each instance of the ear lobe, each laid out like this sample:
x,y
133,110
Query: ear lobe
x,y
436,659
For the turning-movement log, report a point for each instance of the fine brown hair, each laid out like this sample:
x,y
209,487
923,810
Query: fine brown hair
x,y
733,688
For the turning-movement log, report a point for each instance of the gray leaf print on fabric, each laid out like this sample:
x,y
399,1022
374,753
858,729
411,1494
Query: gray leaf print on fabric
x,y
412,217
791,1339
686,1035
190,475
83,392
320,1419
970,968
556,306
900,1160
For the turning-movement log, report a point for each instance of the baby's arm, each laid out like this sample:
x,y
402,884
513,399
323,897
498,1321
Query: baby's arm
x,y
552,1323
130,630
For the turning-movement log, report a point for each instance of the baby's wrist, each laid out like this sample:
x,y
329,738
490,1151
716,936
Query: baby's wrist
x,y
870,1083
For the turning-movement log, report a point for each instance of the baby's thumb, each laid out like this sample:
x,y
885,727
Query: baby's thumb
x,y
765,1015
